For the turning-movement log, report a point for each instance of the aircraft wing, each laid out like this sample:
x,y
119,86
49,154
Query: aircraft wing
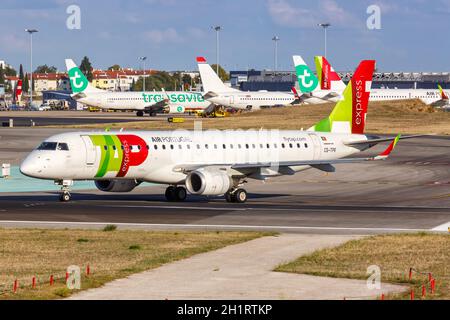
x,y
323,165
158,106
377,140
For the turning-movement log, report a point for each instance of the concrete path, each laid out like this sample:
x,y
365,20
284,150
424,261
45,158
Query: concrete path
x,y
242,271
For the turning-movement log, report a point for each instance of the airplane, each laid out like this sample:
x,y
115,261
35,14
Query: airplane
x,y
218,93
332,86
150,102
212,162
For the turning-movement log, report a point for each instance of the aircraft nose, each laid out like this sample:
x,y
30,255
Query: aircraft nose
x,y
30,167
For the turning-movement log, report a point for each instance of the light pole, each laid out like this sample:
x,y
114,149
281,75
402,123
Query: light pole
x,y
143,62
276,39
325,27
217,29
31,31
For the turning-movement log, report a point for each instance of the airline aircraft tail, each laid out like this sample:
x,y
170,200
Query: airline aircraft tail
x,y
78,82
328,78
349,114
210,80
307,81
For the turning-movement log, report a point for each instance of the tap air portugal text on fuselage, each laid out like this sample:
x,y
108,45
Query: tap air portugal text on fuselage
x,y
328,86
218,93
209,163
148,102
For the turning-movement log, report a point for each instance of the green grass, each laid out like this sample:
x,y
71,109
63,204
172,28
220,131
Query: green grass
x,y
394,254
25,253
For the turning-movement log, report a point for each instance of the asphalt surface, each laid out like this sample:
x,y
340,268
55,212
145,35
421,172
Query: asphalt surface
x,y
409,192
55,118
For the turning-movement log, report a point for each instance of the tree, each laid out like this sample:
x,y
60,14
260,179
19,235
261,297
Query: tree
x,y
133,84
86,68
25,84
2,75
115,67
45,69
21,72
225,76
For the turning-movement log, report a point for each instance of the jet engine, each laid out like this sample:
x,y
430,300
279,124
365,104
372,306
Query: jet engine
x,y
116,185
210,183
174,109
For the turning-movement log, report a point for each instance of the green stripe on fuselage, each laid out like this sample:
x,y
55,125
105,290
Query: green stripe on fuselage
x,y
111,159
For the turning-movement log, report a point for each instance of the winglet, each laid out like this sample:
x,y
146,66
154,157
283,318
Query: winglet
x,y
385,154
443,95
201,60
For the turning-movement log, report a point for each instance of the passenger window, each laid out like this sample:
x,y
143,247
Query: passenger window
x,y
189,147
246,146
155,147
179,146
171,146
298,145
164,147
282,145
106,148
224,146
290,145
306,145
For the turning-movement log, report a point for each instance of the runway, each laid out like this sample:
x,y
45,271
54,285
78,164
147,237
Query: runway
x,y
410,192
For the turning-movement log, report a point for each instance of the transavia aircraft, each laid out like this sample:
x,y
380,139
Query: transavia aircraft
x,y
209,163
149,102
328,86
217,92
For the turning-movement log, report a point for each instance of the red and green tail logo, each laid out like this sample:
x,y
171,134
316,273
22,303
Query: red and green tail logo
x,y
325,73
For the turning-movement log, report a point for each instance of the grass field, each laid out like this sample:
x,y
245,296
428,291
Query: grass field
x,y
25,253
383,117
394,254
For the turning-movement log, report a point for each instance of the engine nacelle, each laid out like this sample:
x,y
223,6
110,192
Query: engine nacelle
x,y
210,183
116,185
175,109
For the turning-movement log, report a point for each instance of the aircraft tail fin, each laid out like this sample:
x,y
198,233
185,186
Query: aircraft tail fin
x,y
307,81
349,114
210,80
443,94
328,78
78,81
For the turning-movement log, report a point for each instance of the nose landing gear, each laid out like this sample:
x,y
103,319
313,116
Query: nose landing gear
x,y
65,195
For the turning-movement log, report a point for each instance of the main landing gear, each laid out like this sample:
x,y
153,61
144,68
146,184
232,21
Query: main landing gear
x,y
65,195
140,113
178,194
236,195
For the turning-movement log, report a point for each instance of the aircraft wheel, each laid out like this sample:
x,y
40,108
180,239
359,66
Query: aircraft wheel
x,y
230,197
64,197
152,114
240,195
180,193
140,113
170,193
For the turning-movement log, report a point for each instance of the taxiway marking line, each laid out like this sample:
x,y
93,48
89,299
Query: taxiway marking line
x,y
175,225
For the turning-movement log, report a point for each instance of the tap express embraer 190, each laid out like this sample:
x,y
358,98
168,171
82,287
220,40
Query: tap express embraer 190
x,y
212,162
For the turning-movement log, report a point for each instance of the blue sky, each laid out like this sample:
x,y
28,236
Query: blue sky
x,y
413,34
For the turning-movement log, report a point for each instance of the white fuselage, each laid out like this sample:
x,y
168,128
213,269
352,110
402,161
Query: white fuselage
x,y
252,100
157,156
178,101
427,96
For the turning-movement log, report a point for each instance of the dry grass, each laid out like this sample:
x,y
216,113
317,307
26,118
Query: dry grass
x,y
394,254
25,253
383,117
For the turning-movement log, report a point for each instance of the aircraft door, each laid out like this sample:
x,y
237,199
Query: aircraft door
x,y
317,145
231,99
91,150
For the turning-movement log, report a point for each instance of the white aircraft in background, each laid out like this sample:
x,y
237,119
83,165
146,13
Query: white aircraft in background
x,y
149,102
212,162
325,87
332,86
218,93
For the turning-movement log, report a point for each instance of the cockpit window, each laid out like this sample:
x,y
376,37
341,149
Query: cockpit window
x,y
53,146
63,146
47,146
